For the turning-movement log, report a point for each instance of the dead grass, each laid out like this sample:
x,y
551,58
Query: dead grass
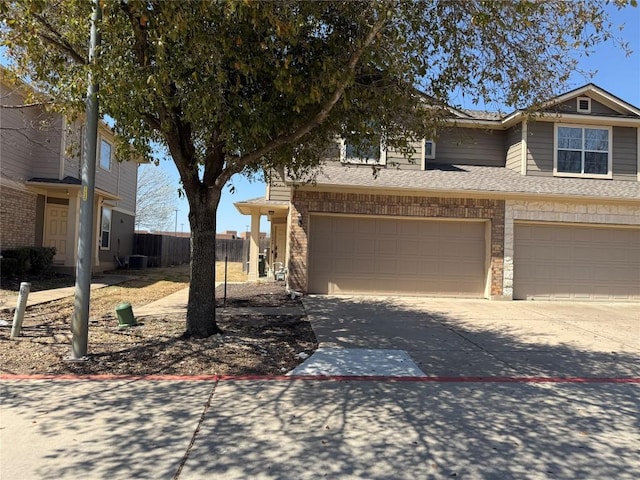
x,y
251,344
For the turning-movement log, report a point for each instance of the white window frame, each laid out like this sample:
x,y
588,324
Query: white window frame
x,y
102,230
582,110
608,175
361,161
102,142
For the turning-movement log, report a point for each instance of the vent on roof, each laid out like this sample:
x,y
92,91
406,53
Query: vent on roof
x,y
584,105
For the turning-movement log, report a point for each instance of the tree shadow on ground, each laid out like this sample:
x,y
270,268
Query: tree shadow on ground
x,y
299,429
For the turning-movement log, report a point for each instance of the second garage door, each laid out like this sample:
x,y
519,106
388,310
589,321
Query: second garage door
x,y
374,255
566,262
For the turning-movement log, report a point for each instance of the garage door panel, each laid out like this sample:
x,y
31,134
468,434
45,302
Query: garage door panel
x,y
396,256
567,262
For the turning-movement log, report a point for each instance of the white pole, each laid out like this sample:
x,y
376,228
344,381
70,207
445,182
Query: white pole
x,y
22,306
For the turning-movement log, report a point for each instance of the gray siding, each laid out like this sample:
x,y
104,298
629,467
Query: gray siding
x,y
29,140
121,243
127,179
395,158
466,146
625,153
73,147
279,191
514,148
540,148
571,106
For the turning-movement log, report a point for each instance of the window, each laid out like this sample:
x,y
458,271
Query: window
x,y
583,151
105,229
105,155
366,152
584,105
429,149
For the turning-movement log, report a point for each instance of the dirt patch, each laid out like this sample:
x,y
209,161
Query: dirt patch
x,y
252,343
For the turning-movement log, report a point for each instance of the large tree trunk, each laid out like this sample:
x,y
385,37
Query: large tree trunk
x,y
201,309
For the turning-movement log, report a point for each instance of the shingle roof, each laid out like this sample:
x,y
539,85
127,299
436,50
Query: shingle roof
x,y
442,178
65,181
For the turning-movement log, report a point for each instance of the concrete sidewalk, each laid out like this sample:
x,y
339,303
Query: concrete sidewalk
x,y
302,429
45,296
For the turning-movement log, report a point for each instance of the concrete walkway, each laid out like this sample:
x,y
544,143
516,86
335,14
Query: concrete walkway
x,y
45,296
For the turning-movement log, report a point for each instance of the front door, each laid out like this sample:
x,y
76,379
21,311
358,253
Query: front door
x,y
55,234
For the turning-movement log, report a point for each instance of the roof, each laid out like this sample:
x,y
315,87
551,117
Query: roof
x,y
68,180
466,178
261,205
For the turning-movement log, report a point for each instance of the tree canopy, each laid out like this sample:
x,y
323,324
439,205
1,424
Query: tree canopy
x,y
234,87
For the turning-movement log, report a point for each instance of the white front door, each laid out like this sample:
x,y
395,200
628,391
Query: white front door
x,y
55,232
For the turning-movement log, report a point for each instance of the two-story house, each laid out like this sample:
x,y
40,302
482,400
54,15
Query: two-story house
x,y
40,187
509,207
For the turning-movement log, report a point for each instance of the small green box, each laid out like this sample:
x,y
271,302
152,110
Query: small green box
x,y
125,315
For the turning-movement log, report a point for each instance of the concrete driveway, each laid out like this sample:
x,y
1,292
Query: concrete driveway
x,y
480,338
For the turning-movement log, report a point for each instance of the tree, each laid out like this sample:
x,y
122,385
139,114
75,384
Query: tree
x,y
155,199
244,87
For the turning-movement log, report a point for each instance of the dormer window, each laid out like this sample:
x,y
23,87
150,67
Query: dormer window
x,y
429,149
584,105
582,151
365,152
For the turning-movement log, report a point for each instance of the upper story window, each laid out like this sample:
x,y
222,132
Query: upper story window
x,y
367,152
105,155
429,149
582,151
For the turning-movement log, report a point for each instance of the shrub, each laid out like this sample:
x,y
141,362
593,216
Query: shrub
x,y
27,260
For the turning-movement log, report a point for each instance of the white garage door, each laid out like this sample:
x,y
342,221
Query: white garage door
x,y
562,262
380,255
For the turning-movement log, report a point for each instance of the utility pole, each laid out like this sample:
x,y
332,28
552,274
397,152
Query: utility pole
x,y
80,320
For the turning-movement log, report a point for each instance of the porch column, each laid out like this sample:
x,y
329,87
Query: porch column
x,y
254,245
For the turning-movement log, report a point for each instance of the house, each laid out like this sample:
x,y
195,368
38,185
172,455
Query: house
x,y
41,188
496,206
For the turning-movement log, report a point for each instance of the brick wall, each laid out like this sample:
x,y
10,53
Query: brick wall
x,y
17,218
305,203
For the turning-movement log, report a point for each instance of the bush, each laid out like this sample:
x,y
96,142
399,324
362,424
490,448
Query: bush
x,y
27,260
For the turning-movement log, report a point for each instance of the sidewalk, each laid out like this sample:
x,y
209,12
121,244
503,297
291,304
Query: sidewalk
x,y
45,296
308,429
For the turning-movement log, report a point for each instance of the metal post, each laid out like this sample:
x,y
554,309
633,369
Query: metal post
x,y
224,302
80,320
18,316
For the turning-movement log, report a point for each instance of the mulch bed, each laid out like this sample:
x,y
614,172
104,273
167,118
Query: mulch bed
x,y
251,343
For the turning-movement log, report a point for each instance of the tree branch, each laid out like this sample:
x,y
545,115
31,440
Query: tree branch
x,y
59,42
313,122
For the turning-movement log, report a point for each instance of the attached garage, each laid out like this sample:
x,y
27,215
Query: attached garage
x,y
381,255
575,262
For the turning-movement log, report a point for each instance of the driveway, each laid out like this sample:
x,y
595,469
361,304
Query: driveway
x,y
480,338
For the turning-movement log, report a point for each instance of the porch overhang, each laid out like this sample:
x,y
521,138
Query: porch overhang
x,y
262,206
66,185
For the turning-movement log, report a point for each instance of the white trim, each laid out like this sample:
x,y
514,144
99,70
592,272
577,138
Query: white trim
x,y
525,149
359,161
556,173
583,110
423,158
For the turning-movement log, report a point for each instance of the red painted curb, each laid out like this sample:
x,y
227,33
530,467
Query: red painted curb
x,y
333,378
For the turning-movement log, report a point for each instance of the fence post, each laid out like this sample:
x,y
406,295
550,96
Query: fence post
x,y
22,306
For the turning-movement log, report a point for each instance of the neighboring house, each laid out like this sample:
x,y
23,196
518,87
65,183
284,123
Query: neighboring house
x,y
41,190
507,207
